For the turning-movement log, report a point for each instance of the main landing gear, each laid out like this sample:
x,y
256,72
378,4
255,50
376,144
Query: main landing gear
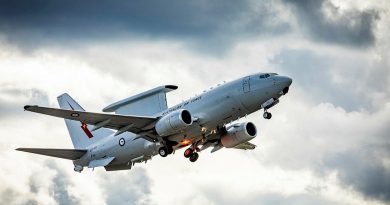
x,y
267,115
165,151
192,154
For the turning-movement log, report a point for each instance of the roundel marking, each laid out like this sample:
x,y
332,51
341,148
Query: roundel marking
x,y
122,141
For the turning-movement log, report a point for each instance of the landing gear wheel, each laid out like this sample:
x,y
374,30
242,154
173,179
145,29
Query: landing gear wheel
x,y
188,152
163,151
194,156
170,149
267,115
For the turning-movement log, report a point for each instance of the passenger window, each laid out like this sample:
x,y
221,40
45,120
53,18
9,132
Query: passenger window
x,y
267,75
261,76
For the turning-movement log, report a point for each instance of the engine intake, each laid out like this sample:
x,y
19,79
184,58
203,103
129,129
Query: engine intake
x,y
173,122
238,133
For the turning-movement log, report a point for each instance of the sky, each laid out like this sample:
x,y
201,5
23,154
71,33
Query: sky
x,y
327,143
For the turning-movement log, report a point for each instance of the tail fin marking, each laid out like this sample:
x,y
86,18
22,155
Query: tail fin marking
x,y
81,135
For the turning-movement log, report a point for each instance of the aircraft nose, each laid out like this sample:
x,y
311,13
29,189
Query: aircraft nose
x,y
284,80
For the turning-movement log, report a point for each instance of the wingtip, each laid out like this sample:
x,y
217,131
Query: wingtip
x,y
63,94
28,107
172,87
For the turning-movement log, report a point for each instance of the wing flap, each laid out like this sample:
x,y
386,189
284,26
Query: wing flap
x,y
71,154
111,121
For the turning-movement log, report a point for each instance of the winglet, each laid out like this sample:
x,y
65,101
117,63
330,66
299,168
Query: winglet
x,y
29,107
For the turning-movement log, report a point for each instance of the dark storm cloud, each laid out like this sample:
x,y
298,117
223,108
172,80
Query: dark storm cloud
x,y
363,169
25,22
314,73
351,27
317,74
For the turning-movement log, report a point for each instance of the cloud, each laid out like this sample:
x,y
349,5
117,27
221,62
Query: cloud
x,y
216,22
326,22
12,98
61,186
127,188
329,139
338,77
302,134
364,169
270,198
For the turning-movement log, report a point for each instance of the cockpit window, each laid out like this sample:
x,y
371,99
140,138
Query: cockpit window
x,y
265,75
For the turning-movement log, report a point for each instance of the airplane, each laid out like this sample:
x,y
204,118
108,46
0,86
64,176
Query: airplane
x,y
135,129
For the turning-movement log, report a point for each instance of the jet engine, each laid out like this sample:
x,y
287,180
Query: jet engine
x,y
238,133
173,122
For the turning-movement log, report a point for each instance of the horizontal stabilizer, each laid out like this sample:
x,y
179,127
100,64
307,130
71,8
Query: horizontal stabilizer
x,y
71,154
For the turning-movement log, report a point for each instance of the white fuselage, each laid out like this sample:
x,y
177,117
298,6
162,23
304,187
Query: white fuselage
x,y
211,110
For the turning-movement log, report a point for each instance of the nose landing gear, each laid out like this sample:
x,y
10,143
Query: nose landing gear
x,y
267,115
267,105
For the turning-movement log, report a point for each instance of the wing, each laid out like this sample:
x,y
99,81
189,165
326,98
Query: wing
x,y
71,154
245,146
123,123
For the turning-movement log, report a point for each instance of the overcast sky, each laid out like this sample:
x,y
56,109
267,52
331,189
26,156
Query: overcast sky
x,y
327,143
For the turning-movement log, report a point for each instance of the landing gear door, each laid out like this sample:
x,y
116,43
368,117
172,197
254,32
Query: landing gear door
x,y
246,84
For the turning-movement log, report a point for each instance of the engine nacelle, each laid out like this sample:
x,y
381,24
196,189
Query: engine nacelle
x,y
238,134
173,122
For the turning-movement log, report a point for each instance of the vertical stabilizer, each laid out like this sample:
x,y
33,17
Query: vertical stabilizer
x,y
79,132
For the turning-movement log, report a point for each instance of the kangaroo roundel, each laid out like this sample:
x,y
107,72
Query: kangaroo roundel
x,y
122,141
